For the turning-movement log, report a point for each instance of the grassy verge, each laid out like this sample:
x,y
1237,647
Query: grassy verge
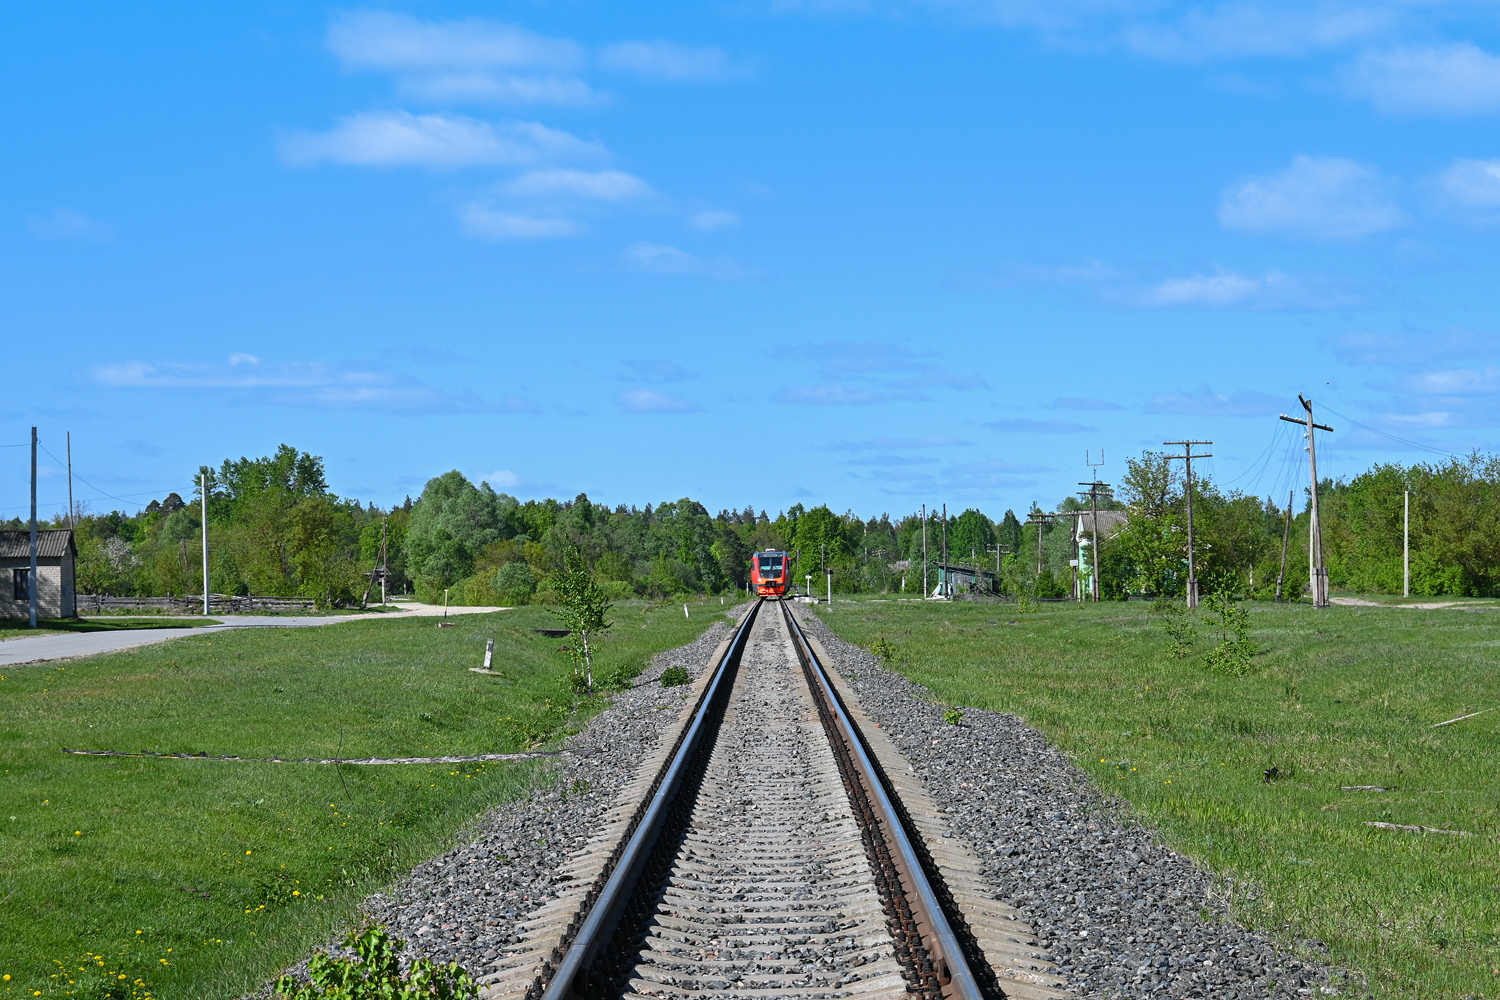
x,y
199,879
1342,697
17,628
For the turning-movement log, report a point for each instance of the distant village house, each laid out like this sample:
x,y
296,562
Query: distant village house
x,y
55,555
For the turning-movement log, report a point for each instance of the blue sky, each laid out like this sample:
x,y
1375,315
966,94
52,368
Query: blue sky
x,y
869,254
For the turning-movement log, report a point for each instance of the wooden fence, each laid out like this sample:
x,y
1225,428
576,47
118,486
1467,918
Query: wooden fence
x,y
223,604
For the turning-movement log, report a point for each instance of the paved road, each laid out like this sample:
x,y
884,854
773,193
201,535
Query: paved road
x,y
38,649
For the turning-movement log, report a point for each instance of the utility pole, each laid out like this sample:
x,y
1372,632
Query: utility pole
x,y
384,558
31,576
943,571
1406,543
1094,489
1317,571
203,485
71,523
1040,519
1286,536
924,552
1188,456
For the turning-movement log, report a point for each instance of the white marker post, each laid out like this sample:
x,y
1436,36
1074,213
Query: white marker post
x,y
489,652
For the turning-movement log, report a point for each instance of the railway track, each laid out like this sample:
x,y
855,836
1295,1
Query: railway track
x,y
775,845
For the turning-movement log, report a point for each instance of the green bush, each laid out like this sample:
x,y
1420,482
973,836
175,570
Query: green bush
x,y
514,582
375,974
674,677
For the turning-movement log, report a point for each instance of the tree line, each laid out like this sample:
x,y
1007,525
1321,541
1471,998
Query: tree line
x,y
276,529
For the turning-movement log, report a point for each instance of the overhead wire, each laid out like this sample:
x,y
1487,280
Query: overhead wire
x,y
1392,437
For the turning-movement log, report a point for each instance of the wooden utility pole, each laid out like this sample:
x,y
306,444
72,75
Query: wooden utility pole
x,y
1286,537
1040,519
1094,489
1317,571
1187,456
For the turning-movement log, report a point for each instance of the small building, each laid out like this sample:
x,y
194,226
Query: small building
x,y
55,555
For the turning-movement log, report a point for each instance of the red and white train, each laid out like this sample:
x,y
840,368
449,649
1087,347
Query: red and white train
x,y
770,573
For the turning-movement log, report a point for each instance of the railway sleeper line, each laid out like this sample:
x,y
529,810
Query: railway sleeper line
x,y
778,845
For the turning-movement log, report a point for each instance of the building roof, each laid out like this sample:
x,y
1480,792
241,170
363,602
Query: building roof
x,y
51,543
1110,522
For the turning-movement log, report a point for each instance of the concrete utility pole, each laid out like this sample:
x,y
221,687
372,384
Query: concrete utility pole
x,y
924,552
1188,456
1406,543
1092,493
947,586
203,485
71,513
385,559
1286,537
31,576
1316,570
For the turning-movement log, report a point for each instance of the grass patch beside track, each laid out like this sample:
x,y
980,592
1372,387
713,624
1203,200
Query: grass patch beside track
x,y
201,879
1341,697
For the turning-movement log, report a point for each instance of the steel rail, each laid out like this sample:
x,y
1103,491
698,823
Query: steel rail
x,y
571,976
951,966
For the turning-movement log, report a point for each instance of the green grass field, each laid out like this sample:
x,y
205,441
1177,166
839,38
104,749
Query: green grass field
x,y
201,879
1340,697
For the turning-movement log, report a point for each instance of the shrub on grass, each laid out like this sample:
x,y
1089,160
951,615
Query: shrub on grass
x,y
375,974
1177,623
514,582
1235,650
883,648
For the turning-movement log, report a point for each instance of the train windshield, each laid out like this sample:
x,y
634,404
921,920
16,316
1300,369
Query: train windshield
x,y
770,564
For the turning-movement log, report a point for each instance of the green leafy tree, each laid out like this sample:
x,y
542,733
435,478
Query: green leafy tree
x,y
583,609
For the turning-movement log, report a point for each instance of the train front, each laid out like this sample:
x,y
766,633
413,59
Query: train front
x,y
768,573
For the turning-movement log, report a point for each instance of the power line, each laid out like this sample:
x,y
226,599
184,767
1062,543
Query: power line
x,y
1392,437
89,484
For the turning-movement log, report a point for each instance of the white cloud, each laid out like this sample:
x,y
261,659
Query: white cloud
x,y
1207,403
505,88
368,39
710,220
657,370
894,443
831,395
67,224
1224,289
657,258
1459,79
663,60
302,383
400,138
1316,197
652,401
600,185
1022,425
1457,382
480,220
1472,187
1258,29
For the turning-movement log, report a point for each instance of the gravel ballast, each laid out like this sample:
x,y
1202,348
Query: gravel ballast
x,y
1122,915
464,905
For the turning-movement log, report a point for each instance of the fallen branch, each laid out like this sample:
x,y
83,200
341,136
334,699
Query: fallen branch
x,y
1459,719
314,760
1417,829
1367,788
